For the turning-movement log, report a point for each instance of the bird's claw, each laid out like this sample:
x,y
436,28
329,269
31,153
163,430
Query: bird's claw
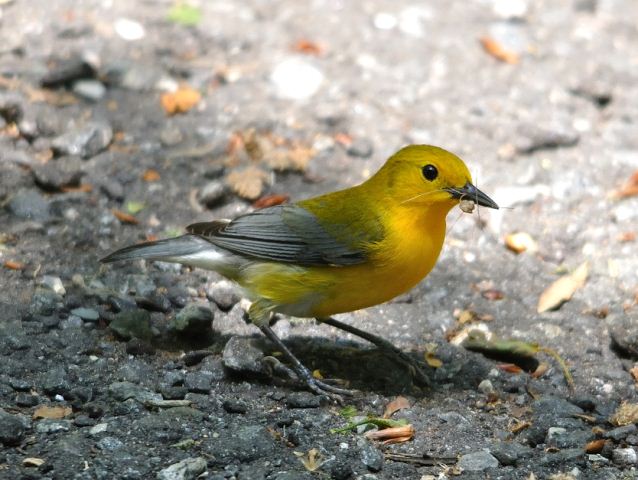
x,y
322,388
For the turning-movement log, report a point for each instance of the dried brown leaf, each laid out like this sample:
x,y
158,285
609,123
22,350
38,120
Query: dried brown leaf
x,y
296,158
247,183
519,426
432,360
509,368
45,411
595,446
151,175
312,460
395,405
492,294
33,462
497,51
392,435
563,289
13,265
125,217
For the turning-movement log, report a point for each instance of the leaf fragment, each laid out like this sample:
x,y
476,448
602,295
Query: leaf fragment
x,y
180,101
395,405
134,207
595,446
271,200
563,289
151,175
14,265
496,50
33,462
125,217
185,14
627,189
391,435
312,460
308,47
44,411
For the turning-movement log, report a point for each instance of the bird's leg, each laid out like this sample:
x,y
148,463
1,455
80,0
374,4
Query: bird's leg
x,y
413,365
302,371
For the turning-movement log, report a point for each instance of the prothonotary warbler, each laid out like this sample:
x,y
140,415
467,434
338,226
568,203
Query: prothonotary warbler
x,y
335,253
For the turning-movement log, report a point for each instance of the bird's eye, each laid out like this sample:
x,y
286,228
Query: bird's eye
x,y
430,172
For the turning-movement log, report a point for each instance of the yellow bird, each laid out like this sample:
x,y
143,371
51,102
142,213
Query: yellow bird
x,y
335,253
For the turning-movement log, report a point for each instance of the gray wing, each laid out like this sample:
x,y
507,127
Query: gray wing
x,y
283,233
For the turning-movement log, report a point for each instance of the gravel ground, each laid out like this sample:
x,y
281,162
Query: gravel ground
x,y
115,372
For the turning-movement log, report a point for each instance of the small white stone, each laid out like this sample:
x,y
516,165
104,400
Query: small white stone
x,y
624,456
53,283
296,79
344,446
385,21
486,387
510,8
99,428
128,29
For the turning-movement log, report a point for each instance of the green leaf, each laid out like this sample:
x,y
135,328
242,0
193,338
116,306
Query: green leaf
x,y
185,14
381,423
348,412
134,207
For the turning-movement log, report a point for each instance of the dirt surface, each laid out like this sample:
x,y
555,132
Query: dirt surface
x,y
114,372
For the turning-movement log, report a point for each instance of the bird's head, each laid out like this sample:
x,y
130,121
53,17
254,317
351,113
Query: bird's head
x,y
420,175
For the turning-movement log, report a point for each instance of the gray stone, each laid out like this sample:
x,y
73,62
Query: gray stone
x,y
477,461
371,456
240,355
193,320
198,382
171,136
360,147
58,173
187,469
86,141
212,193
123,391
109,443
72,321
624,456
621,432
562,438
52,283
12,428
11,106
112,189
509,453
304,400
155,302
224,294
30,205
48,426
86,314
92,90
132,323
56,382
234,406
559,458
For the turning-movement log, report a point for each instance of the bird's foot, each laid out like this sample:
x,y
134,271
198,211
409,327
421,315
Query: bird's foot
x,y
322,388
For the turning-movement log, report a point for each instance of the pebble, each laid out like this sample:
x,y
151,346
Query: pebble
x,y
187,469
198,382
533,138
52,283
109,443
304,400
48,426
224,294
212,194
132,323
193,320
156,302
72,321
129,30
295,78
86,314
486,387
57,174
477,461
235,406
10,106
137,346
123,391
509,453
174,393
63,72
624,456
510,9
371,456
621,432
29,204
178,296
360,147
112,189
83,421
241,356
56,381
20,385
26,400
92,90
171,136
99,428
563,456
12,428
194,357
86,141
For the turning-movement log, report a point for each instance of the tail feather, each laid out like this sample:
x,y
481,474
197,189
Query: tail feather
x,y
170,249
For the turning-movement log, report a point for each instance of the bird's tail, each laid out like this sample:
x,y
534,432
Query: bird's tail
x,y
178,249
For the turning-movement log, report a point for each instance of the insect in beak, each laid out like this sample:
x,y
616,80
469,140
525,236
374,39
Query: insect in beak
x,y
473,194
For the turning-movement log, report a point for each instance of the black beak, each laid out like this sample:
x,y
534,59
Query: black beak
x,y
470,192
